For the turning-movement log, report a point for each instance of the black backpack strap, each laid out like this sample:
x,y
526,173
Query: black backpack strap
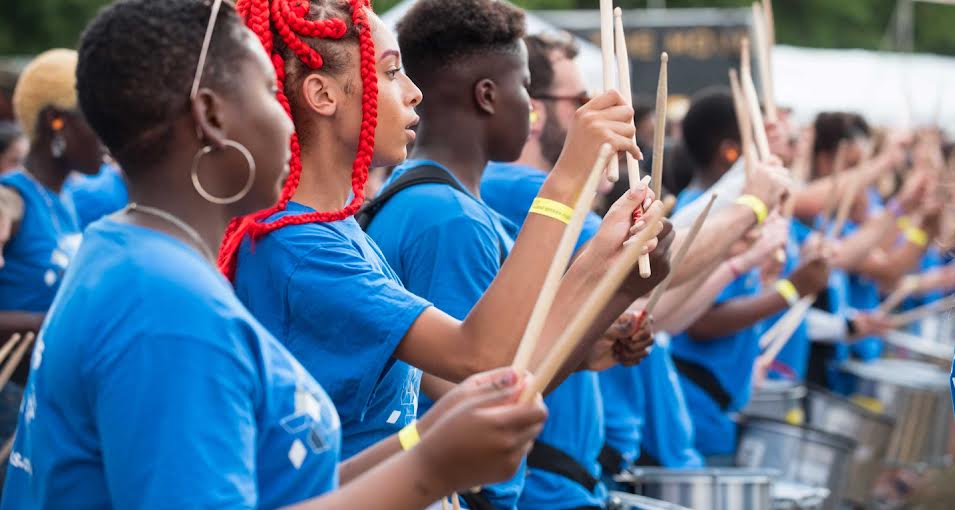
x,y
610,459
422,174
702,377
547,458
477,501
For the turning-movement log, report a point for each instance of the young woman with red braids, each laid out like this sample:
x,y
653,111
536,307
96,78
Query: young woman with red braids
x,y
322,286
151,386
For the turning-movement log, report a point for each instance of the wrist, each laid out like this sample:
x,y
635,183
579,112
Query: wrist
x,y
756,205
430,478
788,291
559,188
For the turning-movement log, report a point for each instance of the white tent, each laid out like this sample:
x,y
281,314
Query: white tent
x,y
588,57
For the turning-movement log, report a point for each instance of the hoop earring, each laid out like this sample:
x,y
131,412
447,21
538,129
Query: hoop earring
x,y
209,196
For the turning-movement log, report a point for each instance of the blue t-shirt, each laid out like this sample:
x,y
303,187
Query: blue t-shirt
x,y
793,359
625,413
36,258
446,247
97,195
151,386
325,291
668,435
575,423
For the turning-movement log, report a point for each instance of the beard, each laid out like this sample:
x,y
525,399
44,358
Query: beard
x,y
552,136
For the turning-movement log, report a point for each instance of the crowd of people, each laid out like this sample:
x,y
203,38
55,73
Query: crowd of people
x,y
230,312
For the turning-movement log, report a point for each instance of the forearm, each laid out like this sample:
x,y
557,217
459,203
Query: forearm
x,y
811,199
736,314
402,480
856,248
713,242
694,300
889,268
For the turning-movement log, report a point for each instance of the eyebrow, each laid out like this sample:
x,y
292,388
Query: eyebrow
x,y
389,53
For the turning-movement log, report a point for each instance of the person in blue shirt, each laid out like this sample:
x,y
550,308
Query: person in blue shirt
x,y
39,231
715,356
97,195
447,246
321,285
13,146
151,385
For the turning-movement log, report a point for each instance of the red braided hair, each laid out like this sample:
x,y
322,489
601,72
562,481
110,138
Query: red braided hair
x,y
286,18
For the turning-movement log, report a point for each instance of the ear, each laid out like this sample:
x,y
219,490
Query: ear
x,y
208,115
538,117
321,94
485,93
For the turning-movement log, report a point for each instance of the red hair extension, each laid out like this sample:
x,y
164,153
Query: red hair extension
x,y
286,18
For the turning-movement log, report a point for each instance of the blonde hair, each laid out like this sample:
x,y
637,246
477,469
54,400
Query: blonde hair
x,y
48,80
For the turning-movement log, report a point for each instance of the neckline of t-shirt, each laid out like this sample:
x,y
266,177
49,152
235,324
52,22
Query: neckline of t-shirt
x,y
107,224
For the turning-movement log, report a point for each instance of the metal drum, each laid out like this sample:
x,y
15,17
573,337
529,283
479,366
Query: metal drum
x,y
710,488
916,394
624,501
794,496
782,400
801,454
872,431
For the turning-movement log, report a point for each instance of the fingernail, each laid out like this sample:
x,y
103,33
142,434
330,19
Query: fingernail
x,y
645,181
647,202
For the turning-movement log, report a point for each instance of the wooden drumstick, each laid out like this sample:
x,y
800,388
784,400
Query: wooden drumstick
x,y
444,503
596,301
565,249
906,287
8,346
845,205
743,122
606,53
623,73
455,504
923,311
763,49
752,102
790,322
659,131
11,364
677,259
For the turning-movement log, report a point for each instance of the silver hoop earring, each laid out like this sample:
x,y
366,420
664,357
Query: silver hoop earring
x,y
248,183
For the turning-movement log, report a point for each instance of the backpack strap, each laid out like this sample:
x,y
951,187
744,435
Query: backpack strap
x,y
422,174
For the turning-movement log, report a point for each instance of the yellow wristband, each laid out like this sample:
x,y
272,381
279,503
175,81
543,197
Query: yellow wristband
x,y
552,209
788,291
916,236
757,205
408,436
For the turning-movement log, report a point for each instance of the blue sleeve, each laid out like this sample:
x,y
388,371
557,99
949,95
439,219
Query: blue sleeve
x,y
347,337
452,263
176,421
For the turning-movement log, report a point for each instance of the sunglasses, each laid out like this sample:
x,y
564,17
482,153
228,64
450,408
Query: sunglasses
x,y
581,99
216,4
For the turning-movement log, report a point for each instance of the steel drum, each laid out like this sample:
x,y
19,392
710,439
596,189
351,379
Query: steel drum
x,y
801,454
709,488
917,395
782,400
872,431
624,501
794,496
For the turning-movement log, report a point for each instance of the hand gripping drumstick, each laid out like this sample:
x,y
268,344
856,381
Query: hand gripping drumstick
x,y
623,74
677,259
558,265
597,300
606,53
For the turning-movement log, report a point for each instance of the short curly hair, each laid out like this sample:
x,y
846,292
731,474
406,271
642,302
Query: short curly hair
x,y
137,61
436,34
48,80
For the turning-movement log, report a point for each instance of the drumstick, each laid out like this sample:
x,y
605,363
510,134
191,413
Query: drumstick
x,y
659,132
455,504
623,74
565,249
752,102
596,301
444,503
11,364
7,347
844,206
606,53
923,311
790,322
833,199
669,202
678,258
742,121
906,286
763,48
